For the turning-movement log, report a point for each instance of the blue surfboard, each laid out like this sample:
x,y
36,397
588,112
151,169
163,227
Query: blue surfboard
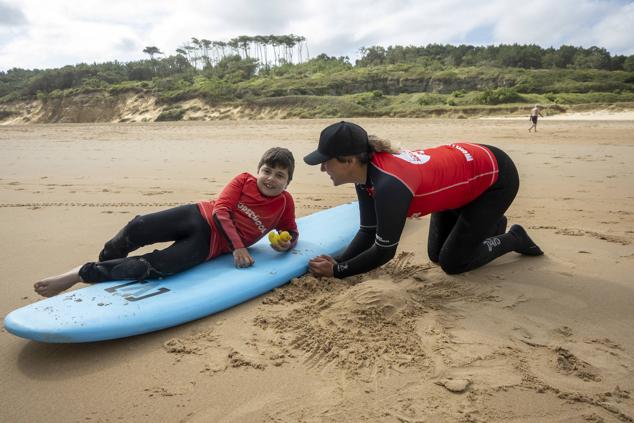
x,y
119,309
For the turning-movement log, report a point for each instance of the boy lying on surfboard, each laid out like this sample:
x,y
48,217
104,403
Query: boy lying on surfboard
x,y
246,210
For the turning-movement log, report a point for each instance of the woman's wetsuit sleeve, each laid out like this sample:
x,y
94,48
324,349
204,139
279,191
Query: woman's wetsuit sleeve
x,y
391,202
367,227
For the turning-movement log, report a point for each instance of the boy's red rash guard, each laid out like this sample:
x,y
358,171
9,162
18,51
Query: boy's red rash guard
x,y
412,183
241,215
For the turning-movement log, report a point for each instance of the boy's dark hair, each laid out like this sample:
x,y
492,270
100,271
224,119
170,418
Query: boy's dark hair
x,y
279,157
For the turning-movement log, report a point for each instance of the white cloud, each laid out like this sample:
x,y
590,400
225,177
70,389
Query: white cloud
x,y
52,33
11,16
614,30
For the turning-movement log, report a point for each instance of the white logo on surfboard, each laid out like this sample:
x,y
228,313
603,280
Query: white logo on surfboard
x,y
414,157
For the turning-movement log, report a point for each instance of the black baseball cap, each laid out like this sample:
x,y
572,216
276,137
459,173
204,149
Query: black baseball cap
x,y
339,139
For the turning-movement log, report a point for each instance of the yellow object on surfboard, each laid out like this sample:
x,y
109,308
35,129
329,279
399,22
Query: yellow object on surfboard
x,y
275,238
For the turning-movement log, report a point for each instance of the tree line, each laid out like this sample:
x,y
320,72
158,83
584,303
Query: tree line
x,y
225,64
268,50
238,59
504,55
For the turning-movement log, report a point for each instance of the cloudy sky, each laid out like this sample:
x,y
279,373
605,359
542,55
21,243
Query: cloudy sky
x,y
53,33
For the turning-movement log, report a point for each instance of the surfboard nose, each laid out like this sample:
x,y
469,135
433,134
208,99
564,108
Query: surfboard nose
x,y
20,322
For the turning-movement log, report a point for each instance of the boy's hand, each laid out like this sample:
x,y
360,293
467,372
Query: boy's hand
x,y
322,265
242,258
280,242
281,246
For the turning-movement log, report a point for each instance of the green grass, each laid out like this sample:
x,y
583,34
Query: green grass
x,y
334,88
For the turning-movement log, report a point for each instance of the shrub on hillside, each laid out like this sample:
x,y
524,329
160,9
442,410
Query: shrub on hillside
x,y
369,99
430,99
171,114
500,96
4,114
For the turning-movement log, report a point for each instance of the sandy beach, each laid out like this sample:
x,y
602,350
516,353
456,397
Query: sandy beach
x,y
522,339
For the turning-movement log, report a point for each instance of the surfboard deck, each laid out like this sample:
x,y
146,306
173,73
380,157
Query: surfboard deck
x,y
111,310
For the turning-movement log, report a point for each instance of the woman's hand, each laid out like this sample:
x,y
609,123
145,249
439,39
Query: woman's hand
x,y
242,258
322,265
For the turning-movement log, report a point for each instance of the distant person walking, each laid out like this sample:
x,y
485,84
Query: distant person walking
x,y
534,113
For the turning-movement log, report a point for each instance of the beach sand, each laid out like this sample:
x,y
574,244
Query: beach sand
x,y
522,339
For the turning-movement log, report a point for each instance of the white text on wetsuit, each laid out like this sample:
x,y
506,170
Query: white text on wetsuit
x,y
467,155
251,214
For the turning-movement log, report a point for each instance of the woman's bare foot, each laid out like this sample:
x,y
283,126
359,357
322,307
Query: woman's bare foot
x,y
56,284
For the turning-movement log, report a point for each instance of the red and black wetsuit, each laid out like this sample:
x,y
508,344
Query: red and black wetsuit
x,y
238,218
467,188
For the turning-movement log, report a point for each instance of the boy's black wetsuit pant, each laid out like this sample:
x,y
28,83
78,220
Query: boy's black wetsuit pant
x,y
471,236
184,225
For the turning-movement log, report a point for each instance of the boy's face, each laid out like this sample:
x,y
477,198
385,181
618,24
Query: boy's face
x,y
272,180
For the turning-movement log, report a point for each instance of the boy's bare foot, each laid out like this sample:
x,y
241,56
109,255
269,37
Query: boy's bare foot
x,y
54,285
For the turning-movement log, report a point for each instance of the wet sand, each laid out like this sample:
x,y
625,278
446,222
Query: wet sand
x,y
521,339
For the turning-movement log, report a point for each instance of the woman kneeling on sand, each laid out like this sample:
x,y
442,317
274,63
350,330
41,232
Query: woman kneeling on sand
x,y
466,187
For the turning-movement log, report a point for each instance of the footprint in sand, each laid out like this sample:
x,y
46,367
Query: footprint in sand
x,y
567,363
564,331
607,342
560,369
519,300
152,193
581,232
523,333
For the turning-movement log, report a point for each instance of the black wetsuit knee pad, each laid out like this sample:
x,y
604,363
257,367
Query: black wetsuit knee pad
x,y
133,228
131,268
451,266
92,272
